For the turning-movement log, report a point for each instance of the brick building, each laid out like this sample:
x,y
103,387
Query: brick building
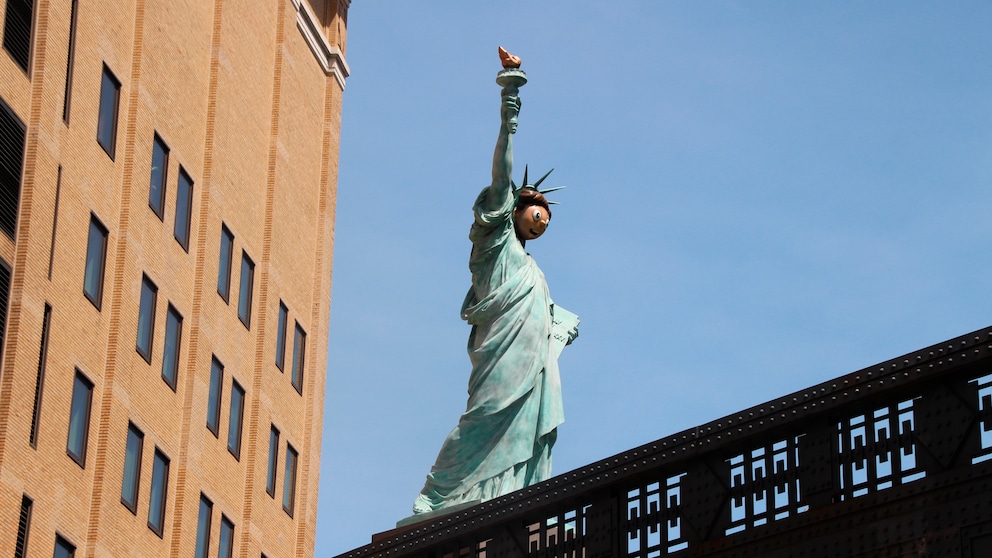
x,y
168,174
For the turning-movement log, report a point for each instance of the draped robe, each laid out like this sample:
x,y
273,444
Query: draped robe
x,y
503,440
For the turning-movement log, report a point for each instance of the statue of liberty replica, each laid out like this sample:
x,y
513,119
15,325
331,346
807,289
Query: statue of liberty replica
x,y
503,440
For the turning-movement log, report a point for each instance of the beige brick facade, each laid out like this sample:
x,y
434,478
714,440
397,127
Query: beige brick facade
x,y
247,97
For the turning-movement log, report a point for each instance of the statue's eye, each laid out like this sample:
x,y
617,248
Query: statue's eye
x,y
537,215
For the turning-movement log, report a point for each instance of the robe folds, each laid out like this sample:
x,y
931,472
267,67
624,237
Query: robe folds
x,y
503,440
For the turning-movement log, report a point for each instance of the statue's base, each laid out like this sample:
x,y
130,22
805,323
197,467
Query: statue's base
x,y
411,522
418,517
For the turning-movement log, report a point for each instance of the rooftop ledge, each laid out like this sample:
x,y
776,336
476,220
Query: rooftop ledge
x,y
329,56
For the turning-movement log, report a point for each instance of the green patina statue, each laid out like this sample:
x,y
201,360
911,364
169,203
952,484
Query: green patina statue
x,y
503,440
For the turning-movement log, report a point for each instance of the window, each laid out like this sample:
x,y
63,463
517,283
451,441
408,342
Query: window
x,y
79,419
226,548
146,318
281,336
39,384
70,60
4,296
299,348
289,482
106,128
224,267
23,527
270,480
173,337
63,548
235,420
244,297
12,134
132,468
213,399
55,222
184,203
203,527
96,259
160,171
159,493
17,31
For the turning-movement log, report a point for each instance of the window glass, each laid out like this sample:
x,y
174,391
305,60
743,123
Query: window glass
x,y
70,62
132,468
173,337
270,480
289,482
203,527
146,318
235,419
96,257
39,384
63,548
224,266
244,298
159,493
23,527
79,419
17,31
184,201
299,351
106,131
226,547
281,336
12,134
156,184
4,296
213,399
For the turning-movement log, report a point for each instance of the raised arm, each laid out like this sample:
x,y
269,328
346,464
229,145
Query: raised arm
x,y
503,154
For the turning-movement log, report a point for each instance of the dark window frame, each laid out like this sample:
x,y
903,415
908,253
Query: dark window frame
x,y
70,62
157,203
273,465
55,221
225,523
299,357
23,527
135,484
111,149
20,51
235,435
146,352
283,322
95,224
224,268
164,498
80,456
67,547
181,226
289,481
245,301
203,537
172,314
6,275
39,385
215,399
13,134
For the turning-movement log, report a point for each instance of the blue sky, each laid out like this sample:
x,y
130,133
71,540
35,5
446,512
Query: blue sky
x,y
761,196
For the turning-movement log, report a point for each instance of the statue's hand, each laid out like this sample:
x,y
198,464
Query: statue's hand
x,y
510,108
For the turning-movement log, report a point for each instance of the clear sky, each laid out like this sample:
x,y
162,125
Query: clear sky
x,y
761,196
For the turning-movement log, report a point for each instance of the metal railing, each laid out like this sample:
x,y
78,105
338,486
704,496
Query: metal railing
x,y
891,460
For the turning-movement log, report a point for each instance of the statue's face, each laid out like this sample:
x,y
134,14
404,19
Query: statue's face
x,y
531,221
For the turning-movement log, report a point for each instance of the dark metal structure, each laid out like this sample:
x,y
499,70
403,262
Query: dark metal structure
x,y
891,460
